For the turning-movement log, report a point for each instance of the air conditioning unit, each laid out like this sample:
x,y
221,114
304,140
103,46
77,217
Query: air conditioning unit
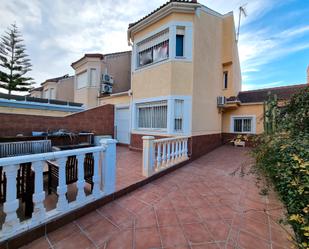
x,y
221,100
107,79
106,88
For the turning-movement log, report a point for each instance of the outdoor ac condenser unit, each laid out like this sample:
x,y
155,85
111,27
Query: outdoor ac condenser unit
x,y
107,79
221,100
106,88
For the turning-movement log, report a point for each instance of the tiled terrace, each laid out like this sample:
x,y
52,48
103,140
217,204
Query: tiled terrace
x,y
201,205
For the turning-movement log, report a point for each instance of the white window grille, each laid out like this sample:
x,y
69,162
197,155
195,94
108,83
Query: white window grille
x,y
178,112
153,49
243,125
152,115
81,80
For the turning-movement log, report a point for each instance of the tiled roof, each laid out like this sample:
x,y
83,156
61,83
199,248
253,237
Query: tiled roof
x,y
162,6
283,93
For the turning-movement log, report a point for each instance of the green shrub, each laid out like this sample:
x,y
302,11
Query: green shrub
x,y
284,157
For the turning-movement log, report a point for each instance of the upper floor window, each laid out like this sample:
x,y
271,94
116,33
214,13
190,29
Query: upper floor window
x,y
225,79
93,77
153,49
81,80
180,33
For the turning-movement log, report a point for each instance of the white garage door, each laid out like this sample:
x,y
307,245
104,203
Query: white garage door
x,y
122,123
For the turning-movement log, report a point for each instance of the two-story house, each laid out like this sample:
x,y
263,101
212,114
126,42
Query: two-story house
x,y
184,55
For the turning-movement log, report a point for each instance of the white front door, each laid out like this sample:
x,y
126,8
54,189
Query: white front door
x,y
122,123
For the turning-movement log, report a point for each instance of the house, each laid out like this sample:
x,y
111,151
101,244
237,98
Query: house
x,y
60,88
183,55
90,89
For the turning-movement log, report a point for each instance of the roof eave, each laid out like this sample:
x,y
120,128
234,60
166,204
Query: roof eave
x,y
166,10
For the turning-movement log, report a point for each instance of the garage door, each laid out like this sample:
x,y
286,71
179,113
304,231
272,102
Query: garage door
x,y
122,123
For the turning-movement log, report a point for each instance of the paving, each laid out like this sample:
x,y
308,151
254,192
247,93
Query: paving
x,y
213,202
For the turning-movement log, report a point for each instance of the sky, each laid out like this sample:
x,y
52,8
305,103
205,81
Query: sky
x,y
273,43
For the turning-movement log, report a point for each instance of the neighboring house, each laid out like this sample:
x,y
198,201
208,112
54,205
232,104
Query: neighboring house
x,y
244,114
60,88
89,72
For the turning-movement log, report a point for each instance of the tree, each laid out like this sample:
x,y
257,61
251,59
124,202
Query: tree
x,y
14,62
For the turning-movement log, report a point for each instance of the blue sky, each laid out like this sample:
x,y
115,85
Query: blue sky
x,y
273,45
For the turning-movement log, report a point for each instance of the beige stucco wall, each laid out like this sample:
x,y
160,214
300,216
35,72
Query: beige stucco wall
x,y
252,109
65,89
207,74
36,94
47,86
12,110
115,100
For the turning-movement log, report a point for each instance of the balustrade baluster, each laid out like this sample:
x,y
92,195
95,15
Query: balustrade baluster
x,y
96,175
168,156
81,179
62,188
11,204
39,211
164,154
158,155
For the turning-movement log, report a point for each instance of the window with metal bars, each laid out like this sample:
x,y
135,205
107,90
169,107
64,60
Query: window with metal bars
x,y
178,112
243,124
152,115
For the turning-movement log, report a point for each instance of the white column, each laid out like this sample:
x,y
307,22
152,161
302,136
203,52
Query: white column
x,y
39,211
11,203
96,175
176,150
81,179
173,152
109,165
186,148
62,188
148,152
170,115
172,42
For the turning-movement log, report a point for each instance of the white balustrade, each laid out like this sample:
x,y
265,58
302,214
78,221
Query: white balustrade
x,y
158,154
104,180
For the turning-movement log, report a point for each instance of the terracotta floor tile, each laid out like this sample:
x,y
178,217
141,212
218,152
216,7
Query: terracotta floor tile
x,y
209,213
40,243
166,217
121,240
147,238
219,229
147,218
101,231
89,219
259,229
172,236
77,240
115,213
188,215
196,233
206,246
63,232
248,241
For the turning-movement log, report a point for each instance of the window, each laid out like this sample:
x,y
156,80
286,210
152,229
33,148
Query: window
x,y
243,124
81,80
178,112
152,115
93,77
179,45
52,93
153,49
46,94
225,79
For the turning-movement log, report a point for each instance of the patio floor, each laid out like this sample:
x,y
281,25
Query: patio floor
x,y
201,205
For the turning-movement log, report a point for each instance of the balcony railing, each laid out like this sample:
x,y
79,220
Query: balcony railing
x,y
104,177
159,154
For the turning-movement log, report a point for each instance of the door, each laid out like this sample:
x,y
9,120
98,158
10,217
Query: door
x,y
122,123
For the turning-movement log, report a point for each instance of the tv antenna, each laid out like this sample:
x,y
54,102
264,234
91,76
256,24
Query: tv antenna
x,y
242,12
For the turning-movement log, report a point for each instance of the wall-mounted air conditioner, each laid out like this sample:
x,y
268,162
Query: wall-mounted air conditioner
x,y
107,79
106,88
221,100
